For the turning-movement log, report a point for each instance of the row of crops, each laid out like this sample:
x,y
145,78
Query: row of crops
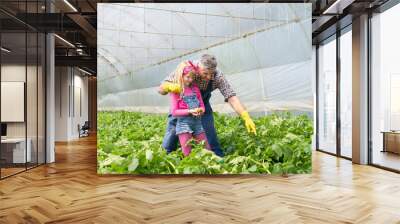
x,y
130,143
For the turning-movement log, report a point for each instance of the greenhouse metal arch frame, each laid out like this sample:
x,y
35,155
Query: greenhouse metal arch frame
x,y
280,20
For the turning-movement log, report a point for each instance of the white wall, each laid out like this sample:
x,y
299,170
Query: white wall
x,y
79,117
70,83
62,81
9,73
34,126
12,73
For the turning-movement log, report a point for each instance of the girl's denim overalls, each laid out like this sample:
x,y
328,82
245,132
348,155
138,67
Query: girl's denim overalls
x,y
190,124
170,140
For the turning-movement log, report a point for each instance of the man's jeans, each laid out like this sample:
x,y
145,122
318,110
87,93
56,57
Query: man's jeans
x,y
170,140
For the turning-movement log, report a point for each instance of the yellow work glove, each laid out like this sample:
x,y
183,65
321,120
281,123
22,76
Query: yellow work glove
x,y
170,87
248,122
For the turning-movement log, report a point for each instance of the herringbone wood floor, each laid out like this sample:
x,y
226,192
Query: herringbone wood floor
x,y
70,191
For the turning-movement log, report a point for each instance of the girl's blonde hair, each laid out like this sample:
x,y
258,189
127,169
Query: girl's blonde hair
x,y
178,75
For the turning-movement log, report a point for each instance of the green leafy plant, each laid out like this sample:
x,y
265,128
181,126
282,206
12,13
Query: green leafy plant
x,y
130,142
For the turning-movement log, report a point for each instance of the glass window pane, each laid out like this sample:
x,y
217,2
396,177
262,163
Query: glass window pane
x,y
14,153
386,89
22,90
327,96
31,97
346,94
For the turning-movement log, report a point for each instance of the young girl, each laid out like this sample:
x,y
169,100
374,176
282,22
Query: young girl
x,y
188,107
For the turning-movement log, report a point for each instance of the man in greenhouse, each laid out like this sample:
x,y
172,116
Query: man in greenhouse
x,y
209,79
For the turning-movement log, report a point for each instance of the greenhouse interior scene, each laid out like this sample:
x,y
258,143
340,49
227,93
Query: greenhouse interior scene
x,y
260,60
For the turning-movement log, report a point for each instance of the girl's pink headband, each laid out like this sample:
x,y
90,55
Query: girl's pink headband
x,y
190,68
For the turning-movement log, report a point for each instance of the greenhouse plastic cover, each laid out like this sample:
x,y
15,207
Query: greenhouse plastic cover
x,y
263,49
